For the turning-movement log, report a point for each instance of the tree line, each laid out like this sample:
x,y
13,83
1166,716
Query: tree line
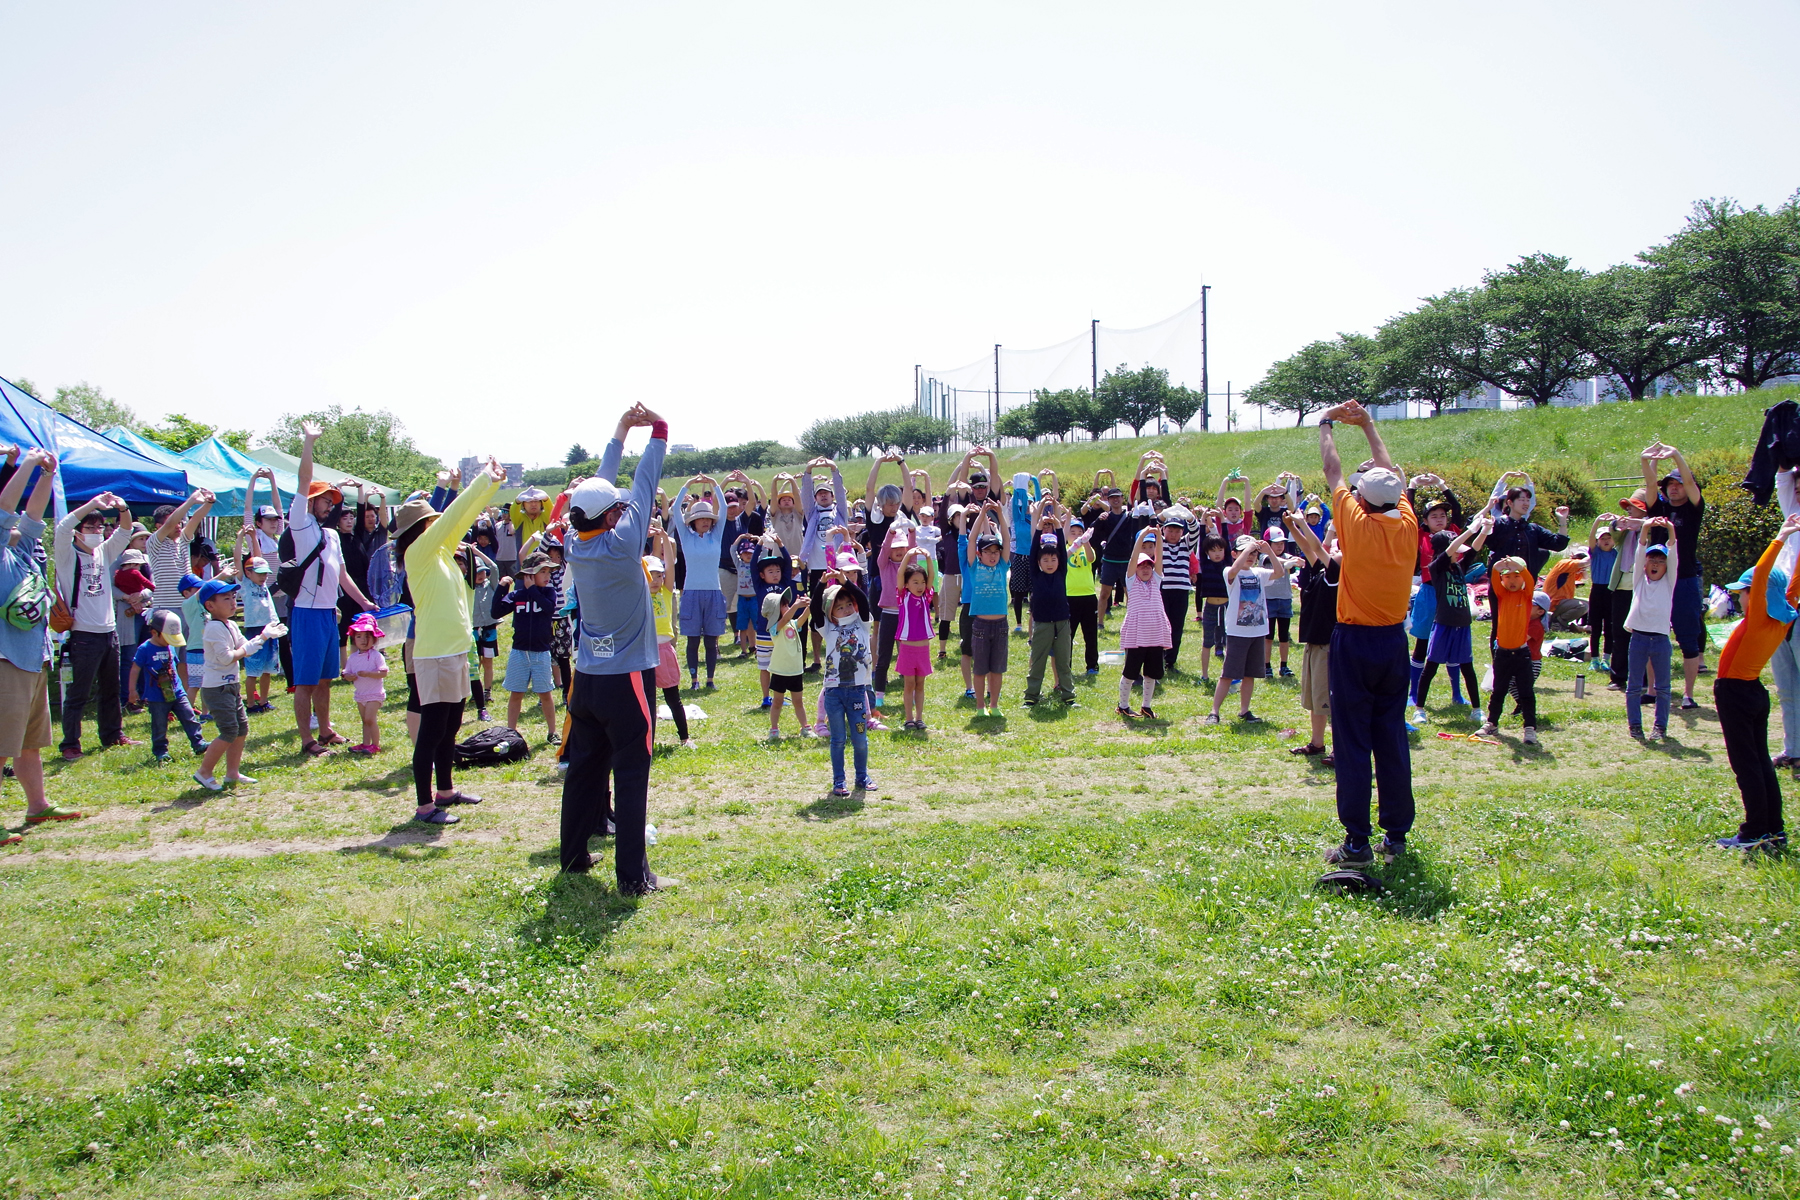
x,y
1126,396
98,411
1717,302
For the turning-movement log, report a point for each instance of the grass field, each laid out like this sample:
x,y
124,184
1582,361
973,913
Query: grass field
x,y
1060,955
1604,438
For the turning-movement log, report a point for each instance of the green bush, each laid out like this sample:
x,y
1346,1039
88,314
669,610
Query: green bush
x,y
1559,481
1734,532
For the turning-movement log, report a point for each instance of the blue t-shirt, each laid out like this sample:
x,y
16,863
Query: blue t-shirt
x,y
1600,565
156,671
985,587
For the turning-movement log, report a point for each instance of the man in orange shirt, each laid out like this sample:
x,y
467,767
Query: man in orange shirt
x,y
1378,534
1743,702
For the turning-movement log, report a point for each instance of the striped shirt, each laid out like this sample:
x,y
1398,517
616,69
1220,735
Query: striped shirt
x,y
1178,562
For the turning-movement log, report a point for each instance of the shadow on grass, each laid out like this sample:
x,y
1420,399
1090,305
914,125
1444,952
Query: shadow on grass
x,y
832,808
584,909
1048,711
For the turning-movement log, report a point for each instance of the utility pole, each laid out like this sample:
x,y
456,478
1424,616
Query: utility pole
x,y
1205,384
1094,358
918,396
996,384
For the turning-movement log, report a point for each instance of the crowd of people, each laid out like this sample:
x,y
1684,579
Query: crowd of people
x,y
609,590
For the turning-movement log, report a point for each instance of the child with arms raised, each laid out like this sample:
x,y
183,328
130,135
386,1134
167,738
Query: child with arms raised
x,y
912,633
848,656
985,574
1145,635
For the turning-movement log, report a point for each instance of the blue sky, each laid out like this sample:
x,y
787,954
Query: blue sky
x,y
506,223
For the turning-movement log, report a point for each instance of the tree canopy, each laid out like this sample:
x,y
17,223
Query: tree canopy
x,y
374,445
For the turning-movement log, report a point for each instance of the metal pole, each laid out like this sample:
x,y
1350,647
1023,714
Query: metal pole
x,y
1205,386
996,383
918,396
1228,406
1094,358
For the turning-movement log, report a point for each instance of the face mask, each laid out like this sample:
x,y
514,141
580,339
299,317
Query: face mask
x,y
90,540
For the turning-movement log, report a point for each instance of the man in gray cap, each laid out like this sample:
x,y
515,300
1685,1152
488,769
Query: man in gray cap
x,y
1379,535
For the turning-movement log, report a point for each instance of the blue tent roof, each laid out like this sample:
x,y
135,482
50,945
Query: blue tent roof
x,y
214,455
88,463
228,488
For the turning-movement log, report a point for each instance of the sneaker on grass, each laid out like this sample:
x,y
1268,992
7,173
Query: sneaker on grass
x,y
1770,843
1389,849
1347,855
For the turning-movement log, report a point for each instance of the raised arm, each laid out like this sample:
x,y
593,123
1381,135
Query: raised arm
x,y
1304,537
192,528
303,476
15,484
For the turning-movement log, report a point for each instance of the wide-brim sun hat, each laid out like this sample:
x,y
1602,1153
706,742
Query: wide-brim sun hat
x,y
413,512
531,493
700,510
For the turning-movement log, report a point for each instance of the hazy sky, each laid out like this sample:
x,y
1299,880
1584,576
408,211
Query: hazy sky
x,y
507,222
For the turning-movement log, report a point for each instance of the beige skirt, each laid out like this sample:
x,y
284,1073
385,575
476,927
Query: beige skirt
x,y
442,680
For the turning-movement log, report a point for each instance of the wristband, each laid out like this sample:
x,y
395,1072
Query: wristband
x,y
660,429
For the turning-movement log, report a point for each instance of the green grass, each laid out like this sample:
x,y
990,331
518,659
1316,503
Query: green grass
x,y
1053,952
1607,438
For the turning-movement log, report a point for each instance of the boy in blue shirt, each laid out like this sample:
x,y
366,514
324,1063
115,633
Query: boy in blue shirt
x,y
156,682
986,585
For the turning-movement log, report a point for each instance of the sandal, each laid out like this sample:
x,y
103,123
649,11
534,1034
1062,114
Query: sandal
x,y
336,739
53,813
457,797
437,816
1308,749
316,749
12,839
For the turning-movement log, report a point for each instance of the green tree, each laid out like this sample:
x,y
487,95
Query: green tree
x,y
1056,414
374,445
1739,278
1321,375
1133,398
178,432
1091,416
577,454
1017,423
1180,405
94,408
1419,355
977,428
912,432
28,387
1536,323
826,437
1636,328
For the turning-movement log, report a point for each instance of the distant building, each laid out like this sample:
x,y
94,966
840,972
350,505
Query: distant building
x,y
515,472
683,448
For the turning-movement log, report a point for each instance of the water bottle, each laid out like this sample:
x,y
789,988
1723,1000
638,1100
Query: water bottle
x,y
649,835
1581,677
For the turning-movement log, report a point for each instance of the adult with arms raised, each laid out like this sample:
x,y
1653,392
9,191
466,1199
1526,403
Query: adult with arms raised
x,y
24,630
313,619
426,543
611,720
84,557
1378,535
1681,502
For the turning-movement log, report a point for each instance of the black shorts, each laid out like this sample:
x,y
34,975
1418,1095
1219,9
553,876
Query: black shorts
x,y
787,683
1112,574
1145,660
412,693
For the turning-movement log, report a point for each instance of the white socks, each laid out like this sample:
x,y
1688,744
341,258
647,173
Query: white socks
x,y
1149,690
1125,692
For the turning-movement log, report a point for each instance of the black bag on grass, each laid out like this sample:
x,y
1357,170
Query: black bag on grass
x,y
493,745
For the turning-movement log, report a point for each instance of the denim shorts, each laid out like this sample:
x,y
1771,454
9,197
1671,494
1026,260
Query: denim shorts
x,y
528,671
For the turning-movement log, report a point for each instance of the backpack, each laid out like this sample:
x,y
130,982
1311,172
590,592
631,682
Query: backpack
x,y
290,574
492,746
30,603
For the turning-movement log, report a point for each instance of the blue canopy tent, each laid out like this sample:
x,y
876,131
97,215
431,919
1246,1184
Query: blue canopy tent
x,y
228,488
214,455
88,463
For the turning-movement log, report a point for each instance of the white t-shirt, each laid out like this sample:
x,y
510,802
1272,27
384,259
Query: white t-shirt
x,y
316,590
1246,603
219,640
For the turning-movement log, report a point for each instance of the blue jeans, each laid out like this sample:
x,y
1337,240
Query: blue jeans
x,y
159,723
844,712
1786,665
1370,676
1647,649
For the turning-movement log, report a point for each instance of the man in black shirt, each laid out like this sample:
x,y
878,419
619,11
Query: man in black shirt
x,y
1680,501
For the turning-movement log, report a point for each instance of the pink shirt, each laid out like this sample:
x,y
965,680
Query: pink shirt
x,y
915,617
369,666
1146,621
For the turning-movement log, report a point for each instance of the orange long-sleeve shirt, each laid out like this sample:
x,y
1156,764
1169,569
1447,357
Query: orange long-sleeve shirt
x,y
1560,584
1748,650
1512,614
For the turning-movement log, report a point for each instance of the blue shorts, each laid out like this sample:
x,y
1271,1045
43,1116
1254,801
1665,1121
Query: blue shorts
x,y
702,613
265,661
1112,574
1424,609
746,613
528,671
1282,610
487,641
1687,617
313,645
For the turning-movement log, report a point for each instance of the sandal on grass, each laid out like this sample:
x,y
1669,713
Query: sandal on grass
x,y
334,738
53,813
12,839
457,797
437,816
316,749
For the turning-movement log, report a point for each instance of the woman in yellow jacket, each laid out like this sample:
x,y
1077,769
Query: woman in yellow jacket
x,y
425,543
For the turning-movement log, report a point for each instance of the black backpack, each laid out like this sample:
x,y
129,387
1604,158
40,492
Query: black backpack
x,y
289,574
493,745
